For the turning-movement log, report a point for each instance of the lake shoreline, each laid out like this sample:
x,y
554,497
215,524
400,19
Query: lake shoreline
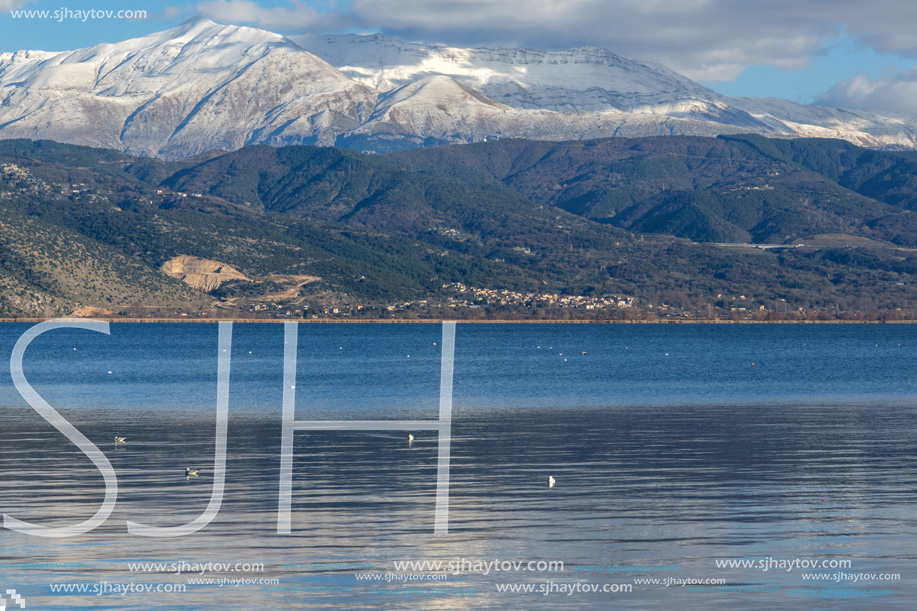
x,y
478,322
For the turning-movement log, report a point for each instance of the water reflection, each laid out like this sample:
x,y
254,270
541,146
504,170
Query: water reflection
x,y
638,483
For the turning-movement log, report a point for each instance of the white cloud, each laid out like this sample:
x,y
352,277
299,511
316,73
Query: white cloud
x,y
297,17
894,93
11,5
703,39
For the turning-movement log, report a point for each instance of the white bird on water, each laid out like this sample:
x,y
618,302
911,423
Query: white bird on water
x,y
120,440
551,481
189,472
410,439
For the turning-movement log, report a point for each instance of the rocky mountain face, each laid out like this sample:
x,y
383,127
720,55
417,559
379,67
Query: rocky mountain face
x,y
203,86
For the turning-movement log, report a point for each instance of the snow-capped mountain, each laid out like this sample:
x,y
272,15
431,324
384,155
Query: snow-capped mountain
x,y
195,87
586,79
201,86
591,80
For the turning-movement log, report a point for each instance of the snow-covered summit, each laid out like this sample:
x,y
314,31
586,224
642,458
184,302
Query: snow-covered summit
x,y
586,79
194,87
201,86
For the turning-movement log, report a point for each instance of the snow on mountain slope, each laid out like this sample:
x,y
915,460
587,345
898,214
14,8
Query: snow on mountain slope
x,y
438,107
195,87
864,128
201,86
596,80
8,59
586,79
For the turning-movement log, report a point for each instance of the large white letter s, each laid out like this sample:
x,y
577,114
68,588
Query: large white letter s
x,y
70,432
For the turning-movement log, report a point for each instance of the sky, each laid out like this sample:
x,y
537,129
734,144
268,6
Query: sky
x,y
844,53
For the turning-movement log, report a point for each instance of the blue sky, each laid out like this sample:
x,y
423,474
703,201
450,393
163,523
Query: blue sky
x,y
839,52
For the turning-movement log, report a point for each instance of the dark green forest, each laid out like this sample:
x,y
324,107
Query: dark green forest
x,y
738,226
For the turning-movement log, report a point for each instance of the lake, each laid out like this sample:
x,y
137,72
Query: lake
x,y
679,452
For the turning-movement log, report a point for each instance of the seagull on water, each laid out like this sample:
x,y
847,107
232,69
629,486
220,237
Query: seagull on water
x,y
551,481
120,440
410,439
189,472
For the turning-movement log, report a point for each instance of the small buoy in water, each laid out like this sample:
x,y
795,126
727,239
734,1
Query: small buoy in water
x,y
752,364
551,481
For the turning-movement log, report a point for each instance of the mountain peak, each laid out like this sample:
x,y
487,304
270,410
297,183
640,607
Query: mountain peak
x,y
196,22
201,27
198,19
202,85
195,87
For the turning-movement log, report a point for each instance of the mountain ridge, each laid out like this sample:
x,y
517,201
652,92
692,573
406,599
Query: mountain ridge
x,y
711,226
202,86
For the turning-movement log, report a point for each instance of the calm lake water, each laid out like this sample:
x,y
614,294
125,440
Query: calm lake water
x,y
673,446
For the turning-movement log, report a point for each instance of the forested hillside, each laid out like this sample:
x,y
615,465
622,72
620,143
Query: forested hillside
x,y
687,225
